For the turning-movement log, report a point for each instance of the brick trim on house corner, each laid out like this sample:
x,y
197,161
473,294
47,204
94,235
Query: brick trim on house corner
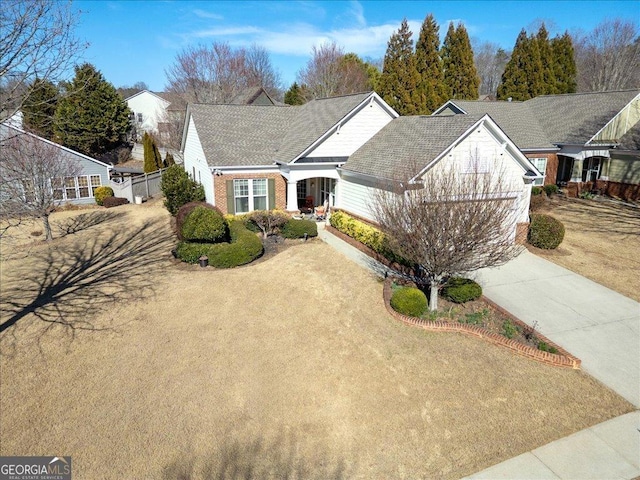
x,y
220,188
560,359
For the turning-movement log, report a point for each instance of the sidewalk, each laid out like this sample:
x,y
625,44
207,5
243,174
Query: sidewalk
x,y
599,326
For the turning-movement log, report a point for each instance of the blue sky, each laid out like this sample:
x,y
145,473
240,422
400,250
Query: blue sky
x,y
134,41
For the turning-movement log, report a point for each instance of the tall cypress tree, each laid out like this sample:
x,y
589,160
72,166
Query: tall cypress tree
x,y
400,77
431,91
548,80
460,74
522,77
39,108
564,65
92,118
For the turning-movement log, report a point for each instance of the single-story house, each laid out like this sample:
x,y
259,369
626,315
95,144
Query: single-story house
x,y
337,150
572,139
79,189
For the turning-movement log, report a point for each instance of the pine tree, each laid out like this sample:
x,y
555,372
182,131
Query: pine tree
x,y
460,74
522,77
294,96
168,160
156,154
564,66
400,77
431,91
548,80
39,108
149,156
92,119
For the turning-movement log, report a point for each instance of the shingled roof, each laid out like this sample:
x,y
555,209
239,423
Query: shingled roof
x,y
549,120
408,144
239,135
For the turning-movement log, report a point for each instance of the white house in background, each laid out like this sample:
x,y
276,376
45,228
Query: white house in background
x,y
337,150
148,110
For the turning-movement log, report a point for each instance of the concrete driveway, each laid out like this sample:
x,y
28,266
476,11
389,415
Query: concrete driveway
x,y
598,325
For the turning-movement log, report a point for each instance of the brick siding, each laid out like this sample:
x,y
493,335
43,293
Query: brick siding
x,y
220,188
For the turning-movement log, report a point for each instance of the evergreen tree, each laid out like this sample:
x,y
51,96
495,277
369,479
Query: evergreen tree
x,y
522,77
548,80
152,158
39,108
564,65
168,160
400,77
460,74
294,96
92,119
431,91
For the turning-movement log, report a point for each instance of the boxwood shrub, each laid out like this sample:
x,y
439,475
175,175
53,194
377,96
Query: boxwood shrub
x,y
545,231
244,247
461,290
297,228
550,190
204,224
409,301
101,193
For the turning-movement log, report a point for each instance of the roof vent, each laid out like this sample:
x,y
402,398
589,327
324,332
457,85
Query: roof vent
x,y
509,99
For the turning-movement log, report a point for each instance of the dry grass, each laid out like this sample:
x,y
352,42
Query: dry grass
x,y
602,242
290,367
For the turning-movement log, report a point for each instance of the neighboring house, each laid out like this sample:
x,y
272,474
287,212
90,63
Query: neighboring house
x,y
253,96
79,189
337,150
417,148
573,138
149,109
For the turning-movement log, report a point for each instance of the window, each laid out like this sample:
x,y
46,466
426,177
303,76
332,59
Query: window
x,y
96,181
328,190
139,118
70,188
301,188
83,186
250,194
541,166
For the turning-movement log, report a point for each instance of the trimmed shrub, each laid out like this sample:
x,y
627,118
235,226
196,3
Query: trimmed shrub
x,y
178,189
114,202
101,193
245,247
537,190
201,222
365,234
461,290
545,231
409,301
297,228
550,190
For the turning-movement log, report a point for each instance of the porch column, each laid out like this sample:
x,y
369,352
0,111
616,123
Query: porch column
x,y
292,196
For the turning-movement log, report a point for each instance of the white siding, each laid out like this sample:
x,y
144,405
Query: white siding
x,y
354,133
194,160
152,109
356,198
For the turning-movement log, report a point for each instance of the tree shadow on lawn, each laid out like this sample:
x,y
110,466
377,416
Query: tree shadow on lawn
x,y
67,284
258,458
85,221
596,216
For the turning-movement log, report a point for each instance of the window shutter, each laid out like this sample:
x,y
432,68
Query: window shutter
x,y
271,191
231,208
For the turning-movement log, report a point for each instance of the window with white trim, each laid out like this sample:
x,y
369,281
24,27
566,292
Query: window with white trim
x,y
83,186
541,166
250,194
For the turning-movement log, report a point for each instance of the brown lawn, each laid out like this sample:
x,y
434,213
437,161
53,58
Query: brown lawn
x,y
139,367
602,242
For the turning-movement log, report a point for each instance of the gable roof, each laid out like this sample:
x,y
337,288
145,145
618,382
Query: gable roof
x,y
249,95
408,144
548,120
163,100
244,135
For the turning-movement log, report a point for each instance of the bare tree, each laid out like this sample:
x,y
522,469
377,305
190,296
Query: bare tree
x,y
608,58
32,177
36,41
454,223
330,72
490,62
217,73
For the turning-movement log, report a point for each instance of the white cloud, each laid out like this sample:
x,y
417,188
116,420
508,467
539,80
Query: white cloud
x,y
204,14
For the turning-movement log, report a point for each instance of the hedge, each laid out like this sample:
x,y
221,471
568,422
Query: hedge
x,y
245,247
409,301
297,229
545,231
204,225
365,234
461,290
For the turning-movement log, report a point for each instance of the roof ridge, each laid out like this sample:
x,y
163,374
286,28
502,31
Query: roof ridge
x,y
637,89
341,96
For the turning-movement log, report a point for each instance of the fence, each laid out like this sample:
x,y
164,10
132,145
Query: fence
x,y
145,186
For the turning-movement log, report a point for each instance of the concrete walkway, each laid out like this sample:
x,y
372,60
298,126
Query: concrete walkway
x,y
599,326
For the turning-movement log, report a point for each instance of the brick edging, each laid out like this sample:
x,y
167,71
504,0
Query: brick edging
x,y
560,359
